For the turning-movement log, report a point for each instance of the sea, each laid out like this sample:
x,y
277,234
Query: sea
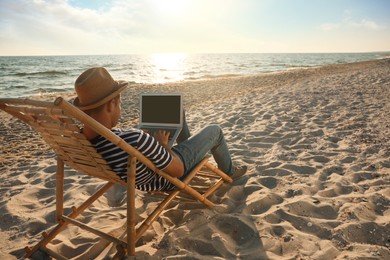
x,y
36,75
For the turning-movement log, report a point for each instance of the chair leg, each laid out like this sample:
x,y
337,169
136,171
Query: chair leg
x,y
131,232
213,188
59,189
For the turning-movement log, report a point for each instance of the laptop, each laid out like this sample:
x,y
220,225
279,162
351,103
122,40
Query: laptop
x,y
162,112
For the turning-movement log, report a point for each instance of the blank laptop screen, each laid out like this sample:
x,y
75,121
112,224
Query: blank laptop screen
x,y
164,109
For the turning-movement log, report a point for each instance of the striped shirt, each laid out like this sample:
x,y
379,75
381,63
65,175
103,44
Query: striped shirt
x,y
146,179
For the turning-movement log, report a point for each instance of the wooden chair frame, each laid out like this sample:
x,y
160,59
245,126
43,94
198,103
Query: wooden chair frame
x,y
58,123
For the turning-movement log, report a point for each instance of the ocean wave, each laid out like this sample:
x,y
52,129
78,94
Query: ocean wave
x,y
16,87
49,90
200,72
209,76
39,73
298,66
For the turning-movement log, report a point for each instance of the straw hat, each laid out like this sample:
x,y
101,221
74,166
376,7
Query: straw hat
x,y
94,87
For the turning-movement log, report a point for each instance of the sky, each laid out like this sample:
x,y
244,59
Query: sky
x,y
77,27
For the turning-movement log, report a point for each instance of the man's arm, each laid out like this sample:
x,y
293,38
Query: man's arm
x,y
176,167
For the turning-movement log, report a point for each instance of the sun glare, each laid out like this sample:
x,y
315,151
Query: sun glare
x,y
168,61
168,66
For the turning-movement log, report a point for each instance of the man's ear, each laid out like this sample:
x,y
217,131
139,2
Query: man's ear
x,y
110,106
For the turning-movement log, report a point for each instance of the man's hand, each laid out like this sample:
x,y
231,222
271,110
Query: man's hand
x,y
162,137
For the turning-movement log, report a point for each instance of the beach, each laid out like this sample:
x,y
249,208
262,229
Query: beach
x,y
317,144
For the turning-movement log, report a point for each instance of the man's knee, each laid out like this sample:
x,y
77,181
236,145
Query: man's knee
x,y
214,130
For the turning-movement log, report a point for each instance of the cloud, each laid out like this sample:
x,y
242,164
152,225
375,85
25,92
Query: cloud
x,y
118,26
365,24
56,26
349,21
360,23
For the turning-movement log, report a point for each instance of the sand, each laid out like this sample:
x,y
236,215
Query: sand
x,y
317,143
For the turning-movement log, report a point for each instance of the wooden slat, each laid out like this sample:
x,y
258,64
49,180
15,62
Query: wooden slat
x,y
42,126
68,120
79,135
29,102
92,167
59,131
55,125
16,113
93,154
60,146
62,127
77,157
104,175
52,112
69,141
93,171
94,158
92,163
94,231
46,118
83,155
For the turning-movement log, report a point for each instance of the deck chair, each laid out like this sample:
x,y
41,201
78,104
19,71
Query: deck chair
x,y
59,124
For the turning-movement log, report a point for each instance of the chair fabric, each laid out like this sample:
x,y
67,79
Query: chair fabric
x,y
59,124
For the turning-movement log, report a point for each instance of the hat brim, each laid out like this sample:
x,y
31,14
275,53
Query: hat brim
x,y
122,85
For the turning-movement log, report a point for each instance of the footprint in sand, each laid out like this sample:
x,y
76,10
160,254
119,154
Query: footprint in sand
x,y
237,230
263,204
307,209
300,169
366,233
275,172
305,224
269,182
339,189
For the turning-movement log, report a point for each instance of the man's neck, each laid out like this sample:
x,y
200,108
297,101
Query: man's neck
x,y
103,119
89,133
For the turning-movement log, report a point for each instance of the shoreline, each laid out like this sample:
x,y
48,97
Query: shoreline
x,y
317,142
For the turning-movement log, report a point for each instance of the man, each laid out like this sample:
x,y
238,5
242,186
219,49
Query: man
x,y
98,95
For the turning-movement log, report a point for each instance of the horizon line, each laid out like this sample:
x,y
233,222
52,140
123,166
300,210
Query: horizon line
x,y
190,53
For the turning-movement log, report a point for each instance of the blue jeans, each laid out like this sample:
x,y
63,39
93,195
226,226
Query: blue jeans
x,y
193,149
